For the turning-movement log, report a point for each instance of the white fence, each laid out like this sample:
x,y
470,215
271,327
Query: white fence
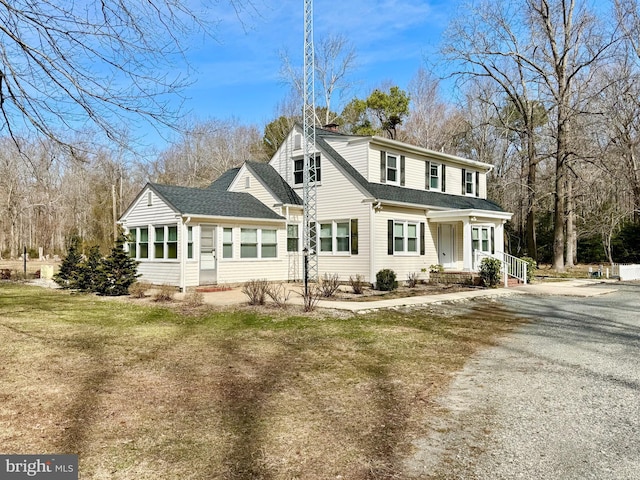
x,y
626,272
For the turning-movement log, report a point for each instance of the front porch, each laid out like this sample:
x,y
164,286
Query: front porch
x,y
461,232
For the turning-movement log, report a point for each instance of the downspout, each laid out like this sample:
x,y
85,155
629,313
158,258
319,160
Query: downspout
x,y
372,232
183,260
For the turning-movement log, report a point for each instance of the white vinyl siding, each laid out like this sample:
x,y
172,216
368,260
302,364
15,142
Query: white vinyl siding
x,y
403,263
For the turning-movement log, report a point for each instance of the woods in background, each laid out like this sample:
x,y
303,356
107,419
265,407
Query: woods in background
x,y
547,92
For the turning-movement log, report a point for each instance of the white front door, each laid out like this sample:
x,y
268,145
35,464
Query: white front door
x,y
445,246
208,260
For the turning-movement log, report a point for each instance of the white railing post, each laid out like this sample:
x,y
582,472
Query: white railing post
x,y
525,272
506,274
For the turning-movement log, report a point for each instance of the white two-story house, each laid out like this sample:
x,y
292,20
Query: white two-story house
x,y
380,204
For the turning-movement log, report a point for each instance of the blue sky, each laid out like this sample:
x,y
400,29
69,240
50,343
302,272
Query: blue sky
x,y
237,75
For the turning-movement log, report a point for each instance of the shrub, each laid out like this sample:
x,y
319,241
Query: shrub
x,y
386,280
490,271
256,290
357,284
194,299
531,267
436,268
139,289
311,298
412,280
164,293
329,284
5,274
278,293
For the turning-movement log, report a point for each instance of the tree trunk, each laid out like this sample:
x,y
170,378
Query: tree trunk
x,y
530,238
571,235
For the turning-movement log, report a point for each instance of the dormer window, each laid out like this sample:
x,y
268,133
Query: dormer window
x,y
470,183
392,168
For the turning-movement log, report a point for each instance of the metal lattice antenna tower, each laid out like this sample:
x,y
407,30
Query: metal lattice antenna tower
x,y
309,196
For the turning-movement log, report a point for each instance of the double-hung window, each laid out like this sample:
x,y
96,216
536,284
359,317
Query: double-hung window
x,y
268,243
482,238
189,242
314,170
293,238
165,242
249,243
338,237
392,169
469,183
405,238
227,243
434,176
258,243
139,242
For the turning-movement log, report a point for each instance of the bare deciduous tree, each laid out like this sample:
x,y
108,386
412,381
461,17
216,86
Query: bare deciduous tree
x,y
335,60
68,65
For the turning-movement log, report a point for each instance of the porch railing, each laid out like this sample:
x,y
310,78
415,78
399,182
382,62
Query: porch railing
x,y
511,266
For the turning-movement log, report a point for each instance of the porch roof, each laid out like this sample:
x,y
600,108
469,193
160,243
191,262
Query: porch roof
x,y
473,215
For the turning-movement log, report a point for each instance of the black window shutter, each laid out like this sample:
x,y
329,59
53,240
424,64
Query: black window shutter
x,y
402,165
390,237
443,183
422,234
354,236
383,167
427,176
477,184
464,181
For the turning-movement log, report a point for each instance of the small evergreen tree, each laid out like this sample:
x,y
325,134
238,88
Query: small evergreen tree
x,y
67,276
117,271
89,271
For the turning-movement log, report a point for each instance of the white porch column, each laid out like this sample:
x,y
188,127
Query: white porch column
x,y
499,238
467,253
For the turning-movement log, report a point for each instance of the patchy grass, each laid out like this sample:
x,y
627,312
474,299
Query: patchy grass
x,y
145,392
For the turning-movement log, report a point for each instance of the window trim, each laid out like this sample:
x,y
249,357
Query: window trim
x,y
260,244
137,235
437,177
166,242
292,238
350,250
393,238
480,229
189,242
395,169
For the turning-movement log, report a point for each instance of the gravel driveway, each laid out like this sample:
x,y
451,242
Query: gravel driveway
x,y
558,399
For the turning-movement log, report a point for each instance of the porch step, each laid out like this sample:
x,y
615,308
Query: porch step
x,y
514,282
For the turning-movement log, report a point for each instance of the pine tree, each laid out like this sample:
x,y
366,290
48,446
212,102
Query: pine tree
x,y
117,271
67,276
89,272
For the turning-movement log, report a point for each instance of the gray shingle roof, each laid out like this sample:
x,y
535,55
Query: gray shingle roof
x,y
272,179
223,181
394,193
213,202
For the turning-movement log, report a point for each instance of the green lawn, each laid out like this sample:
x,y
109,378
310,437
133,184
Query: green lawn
x,y
147,392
